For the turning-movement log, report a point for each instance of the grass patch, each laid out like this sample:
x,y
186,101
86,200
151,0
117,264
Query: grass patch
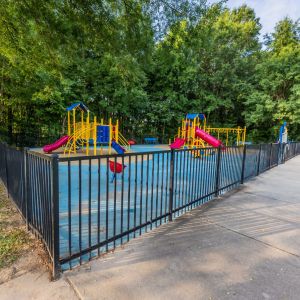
x,y
14,239
12,244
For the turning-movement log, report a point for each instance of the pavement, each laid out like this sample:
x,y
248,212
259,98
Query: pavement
x,y
244,245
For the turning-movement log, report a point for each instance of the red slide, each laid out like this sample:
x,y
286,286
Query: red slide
x,y
178,143
62,141
208,138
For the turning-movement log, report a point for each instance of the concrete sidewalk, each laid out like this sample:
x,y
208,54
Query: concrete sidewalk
x,y
243,246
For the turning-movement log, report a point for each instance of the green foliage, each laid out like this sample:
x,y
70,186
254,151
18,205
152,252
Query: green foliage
x,y
145,62
275,96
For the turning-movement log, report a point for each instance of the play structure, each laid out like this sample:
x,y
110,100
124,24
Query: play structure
x,y
82,133
283,133
115,168
194,133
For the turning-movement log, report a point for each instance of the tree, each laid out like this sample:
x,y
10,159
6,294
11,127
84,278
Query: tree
x,y
276,96
206,67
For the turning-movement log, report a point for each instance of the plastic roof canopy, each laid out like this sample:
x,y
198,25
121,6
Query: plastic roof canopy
x,y
79,105
192,116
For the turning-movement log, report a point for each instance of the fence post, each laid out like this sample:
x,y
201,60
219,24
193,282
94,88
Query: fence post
x,y
26,192
6,149
243,164
171,185
218,172
55,216
283,153
258,162
270,156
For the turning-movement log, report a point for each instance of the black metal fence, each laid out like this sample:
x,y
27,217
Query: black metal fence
x,y
31,180
80,208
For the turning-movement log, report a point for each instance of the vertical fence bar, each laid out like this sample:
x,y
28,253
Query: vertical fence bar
x,y
258,161
26,186
171,184
107,206
270,158
243,164
283,153
218,166
128,196
122,200
6,169
55,216
80,209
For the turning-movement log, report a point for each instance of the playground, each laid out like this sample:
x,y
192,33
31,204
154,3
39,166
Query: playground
x,y
94,189
111,189
97,137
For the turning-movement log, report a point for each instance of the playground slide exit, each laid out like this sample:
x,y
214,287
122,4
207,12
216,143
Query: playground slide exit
x,y
208,138
60,142
118,148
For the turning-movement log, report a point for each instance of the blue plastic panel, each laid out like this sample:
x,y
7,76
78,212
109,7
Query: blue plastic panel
x,y
103,134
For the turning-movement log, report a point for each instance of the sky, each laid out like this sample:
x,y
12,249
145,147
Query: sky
x,y
270,11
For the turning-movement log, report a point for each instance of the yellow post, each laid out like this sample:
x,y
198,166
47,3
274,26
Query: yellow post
x,y
117,131
74,130
82,120
110,136
95,135
244,135
69,124
238,136
226,137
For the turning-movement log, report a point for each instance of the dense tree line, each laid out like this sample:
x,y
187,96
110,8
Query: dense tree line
x,y
146,63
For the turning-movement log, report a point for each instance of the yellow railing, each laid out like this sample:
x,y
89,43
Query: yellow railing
x,y
122,141
77,135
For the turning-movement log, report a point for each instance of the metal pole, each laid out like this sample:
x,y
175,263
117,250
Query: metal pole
x,y
218,172
55,216
283,153
270,158
243,164
6,149
171,185
258,162
26,186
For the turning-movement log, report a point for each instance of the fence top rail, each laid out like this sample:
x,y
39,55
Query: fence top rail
x,y
40,155
132,154
3,144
